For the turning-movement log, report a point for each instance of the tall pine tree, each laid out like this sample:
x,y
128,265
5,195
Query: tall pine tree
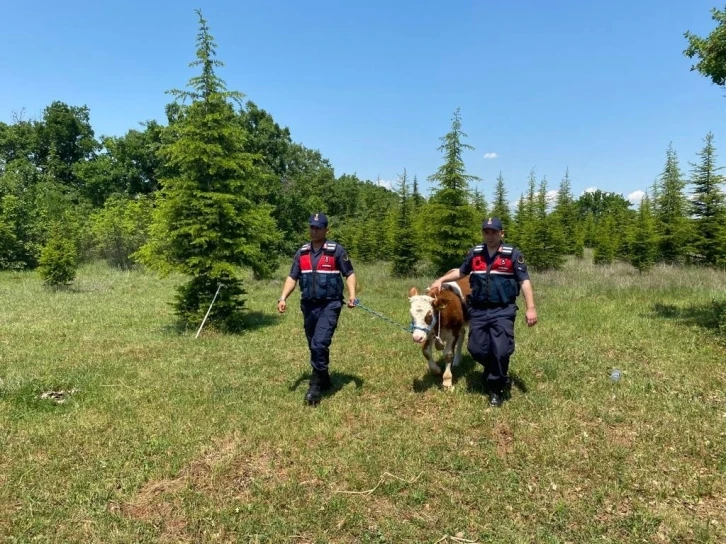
x,y
606,240
523,232
208,219
707,204
501,206
643,238
549,239
565,213
479,202
405,254
655,195
454,229
674,228
416,199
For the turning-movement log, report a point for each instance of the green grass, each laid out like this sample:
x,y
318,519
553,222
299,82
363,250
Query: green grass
x,y
172,439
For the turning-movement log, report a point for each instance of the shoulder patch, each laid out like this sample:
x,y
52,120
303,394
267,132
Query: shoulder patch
x,y
345,257
305,247
479,248
330,247
520,259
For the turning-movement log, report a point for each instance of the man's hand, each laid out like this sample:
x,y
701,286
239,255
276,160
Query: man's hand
x,y
351,302
531,316
287,290
436,285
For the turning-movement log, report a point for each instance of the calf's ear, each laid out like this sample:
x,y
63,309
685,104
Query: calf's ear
x,y
412,292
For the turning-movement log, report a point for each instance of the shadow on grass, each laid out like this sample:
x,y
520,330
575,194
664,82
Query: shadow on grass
x,y
250,321
710,315
256,320
338,379
475,382
519,383
175,328
428,380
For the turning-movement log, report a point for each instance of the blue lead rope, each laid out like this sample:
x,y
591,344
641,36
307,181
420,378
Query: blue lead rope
x,y
359,305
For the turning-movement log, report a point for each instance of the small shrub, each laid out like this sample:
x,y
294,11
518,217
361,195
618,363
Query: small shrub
x,y
58,258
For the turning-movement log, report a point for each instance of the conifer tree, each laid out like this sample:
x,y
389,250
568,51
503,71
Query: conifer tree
x,y
707,205
456,229
416,199
606,240
479,203
654,196
500,207
548,240
643,238
674,228
564,212
589,228
59,257
511,231
405,254
524,233
209,220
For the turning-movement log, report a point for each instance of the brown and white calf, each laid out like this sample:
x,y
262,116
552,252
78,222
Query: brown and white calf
x,y
439,320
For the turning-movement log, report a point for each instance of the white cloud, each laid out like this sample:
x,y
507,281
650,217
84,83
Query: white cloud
x,y
636,196
551,196
589,190
490,155
385,183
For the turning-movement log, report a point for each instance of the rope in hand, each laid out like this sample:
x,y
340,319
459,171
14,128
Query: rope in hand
x,y
359,305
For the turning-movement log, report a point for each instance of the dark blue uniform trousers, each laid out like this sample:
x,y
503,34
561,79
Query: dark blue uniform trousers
x,y
321,320
491,342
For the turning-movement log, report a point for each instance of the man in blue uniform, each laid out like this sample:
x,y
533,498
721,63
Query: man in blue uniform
x,y
497,275
320,265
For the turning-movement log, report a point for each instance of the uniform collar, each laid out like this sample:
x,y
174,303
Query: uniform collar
x,y
312,247
499,248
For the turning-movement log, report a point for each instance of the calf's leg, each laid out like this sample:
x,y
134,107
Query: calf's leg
x,y
448,358
427,352
459,343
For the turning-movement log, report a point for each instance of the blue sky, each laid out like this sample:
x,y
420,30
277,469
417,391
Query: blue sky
x,y
599,88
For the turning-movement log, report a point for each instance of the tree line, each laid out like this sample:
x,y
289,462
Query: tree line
x,y
221,185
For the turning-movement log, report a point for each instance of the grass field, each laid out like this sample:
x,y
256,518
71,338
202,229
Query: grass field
x,y
164,438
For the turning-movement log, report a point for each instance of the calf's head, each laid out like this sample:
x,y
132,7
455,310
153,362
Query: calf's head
x,y
422,309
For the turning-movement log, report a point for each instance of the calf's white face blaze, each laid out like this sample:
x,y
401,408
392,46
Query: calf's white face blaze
x,y
421,309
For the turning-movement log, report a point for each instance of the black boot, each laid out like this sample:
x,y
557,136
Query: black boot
x,y
313,394
325,382
496,398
